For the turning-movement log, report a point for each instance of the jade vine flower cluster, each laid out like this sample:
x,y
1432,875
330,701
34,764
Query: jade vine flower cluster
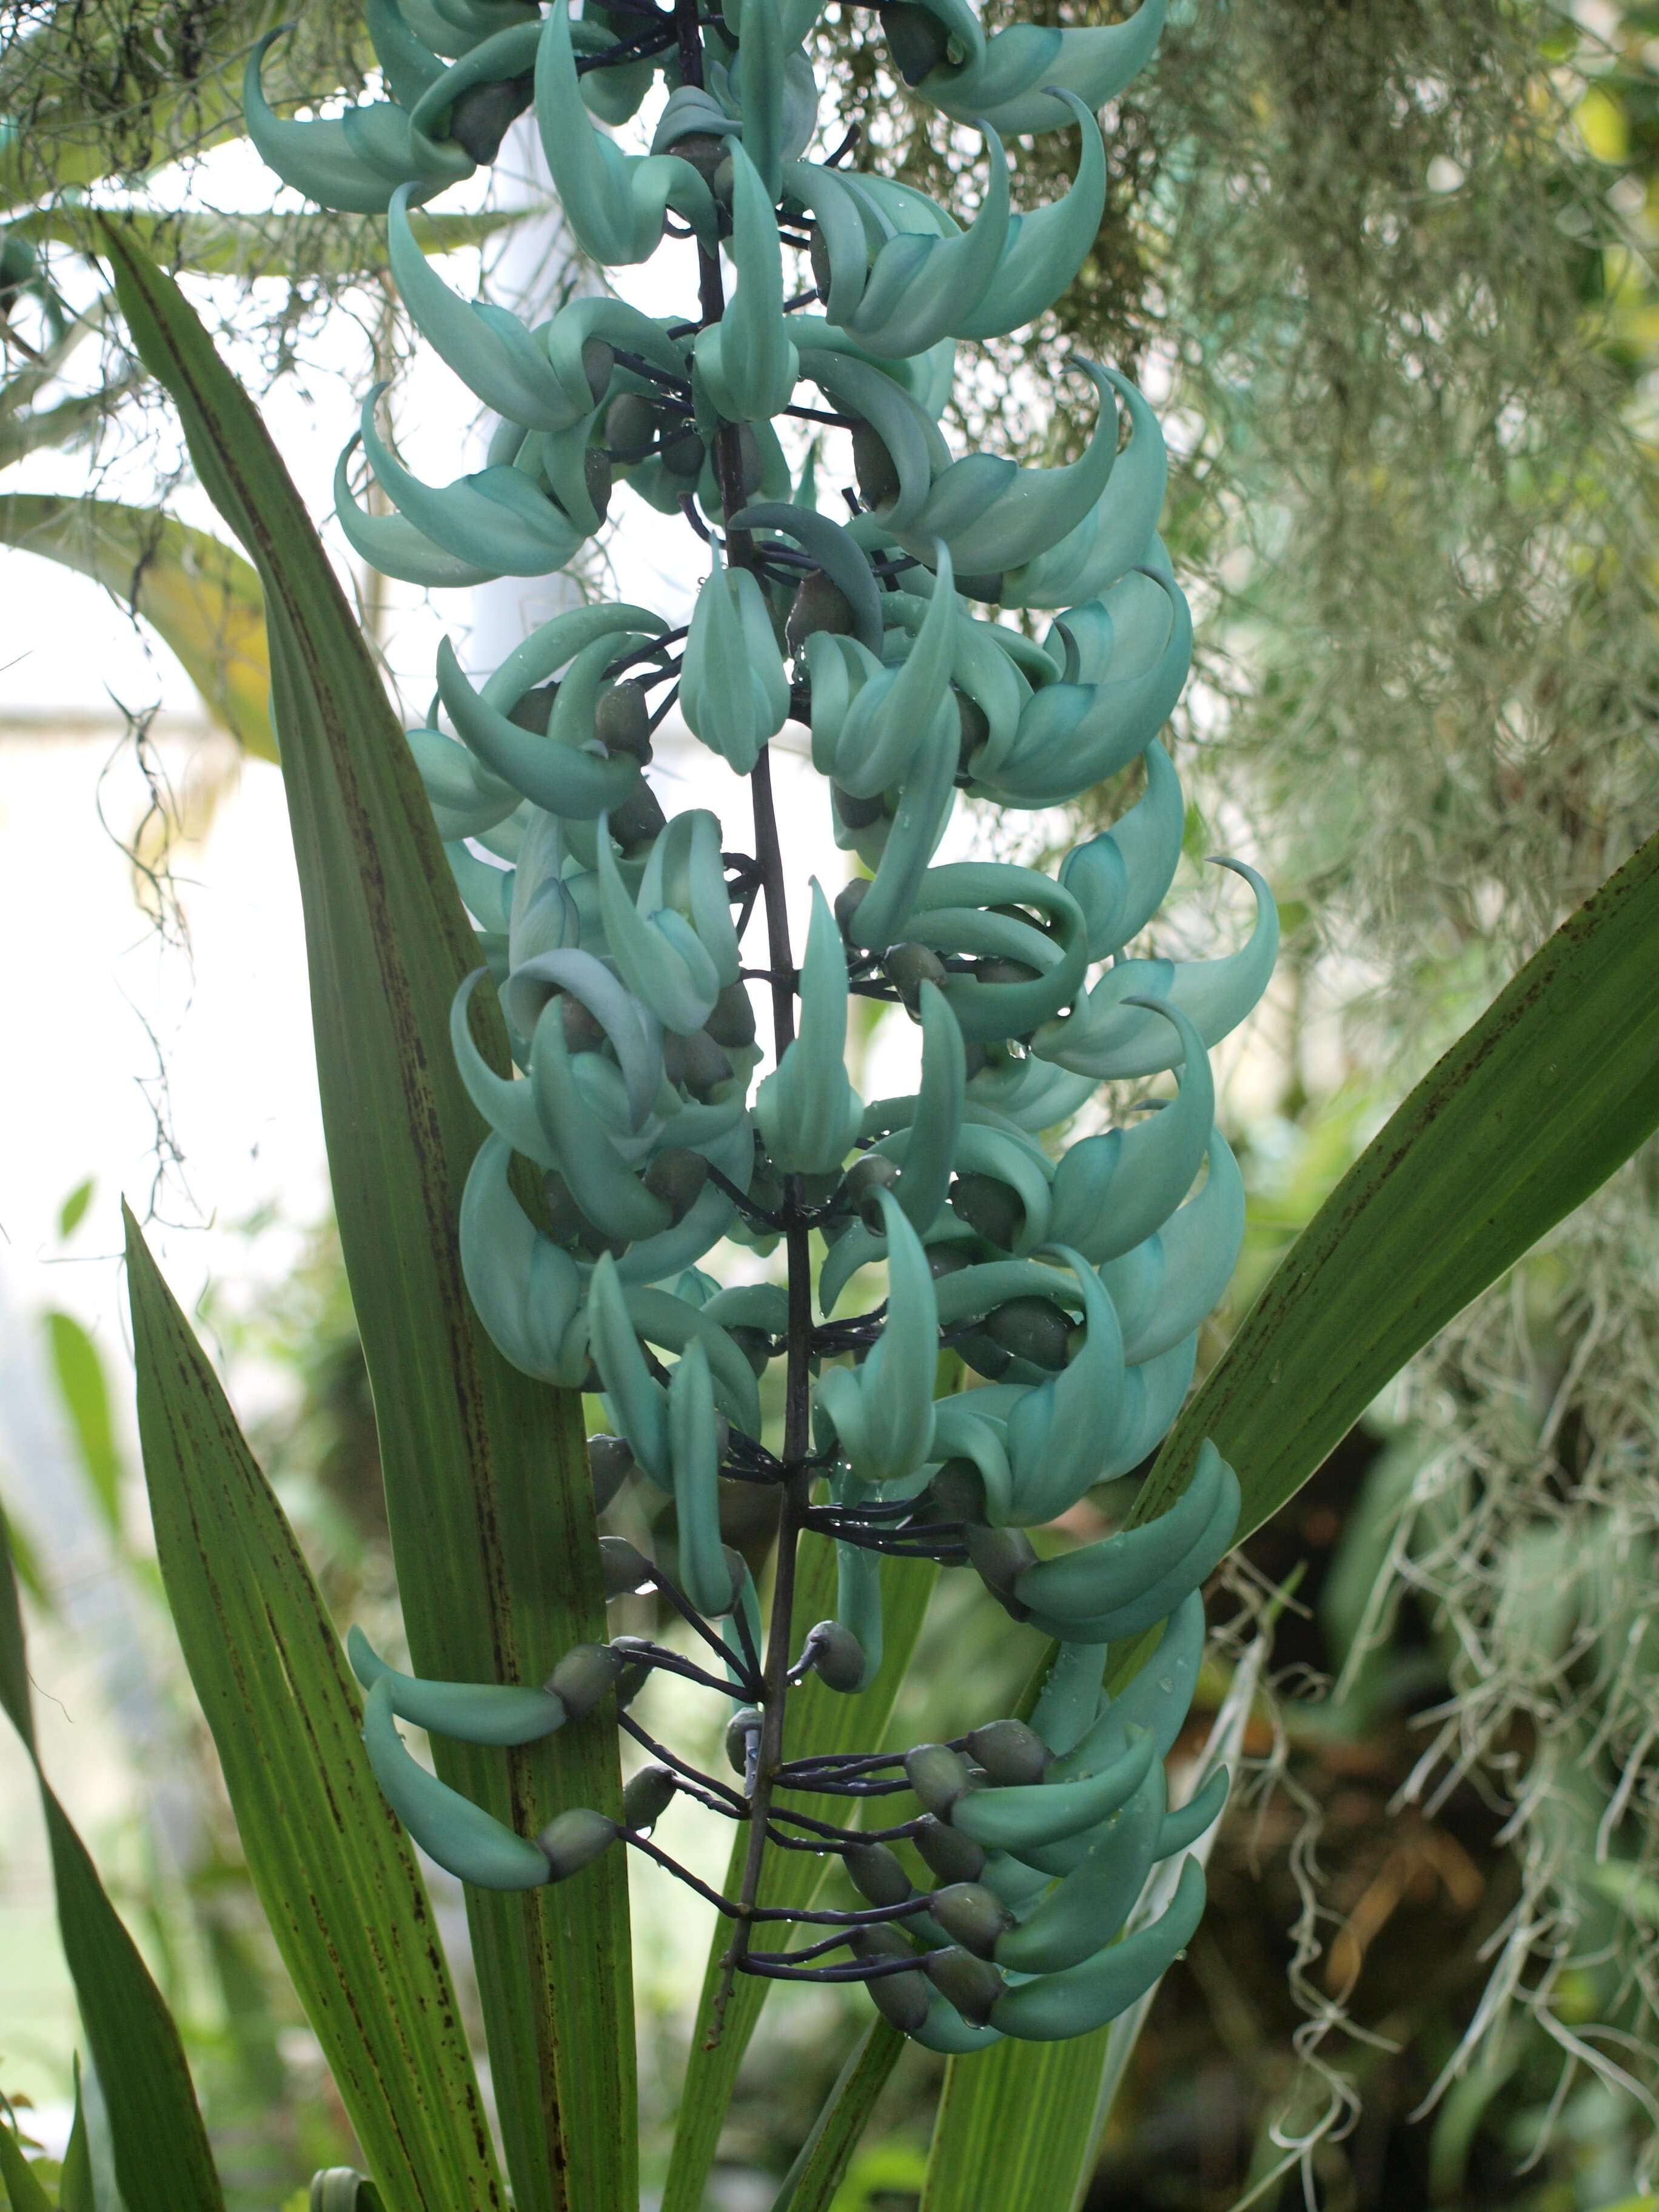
x,y
1071,1280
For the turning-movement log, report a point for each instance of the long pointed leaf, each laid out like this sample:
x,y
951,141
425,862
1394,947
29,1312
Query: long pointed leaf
x,y
816,2174
333,1869
487,1484
1530,1111
200,595
818,1721
163,2160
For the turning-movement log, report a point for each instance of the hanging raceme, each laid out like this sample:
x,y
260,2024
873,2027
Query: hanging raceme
x,y
1072,1282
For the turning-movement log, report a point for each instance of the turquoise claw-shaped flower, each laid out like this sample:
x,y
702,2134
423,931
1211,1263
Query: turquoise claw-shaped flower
x,y
1106,1037
1119,533
1120,878
617,205
492,522
557,772
993,515
525,1289
672,941
1114,1189
1044,250
1009,83
352,162
808,1113
882,1413
489,349
746,362
734,690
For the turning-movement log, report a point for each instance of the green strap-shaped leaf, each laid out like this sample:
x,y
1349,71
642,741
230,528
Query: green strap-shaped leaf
x,y
162,2161
228,244
487,1484
85,1396
199,594
17,2176
1531,1110
819,1721
1014,2124
333,1869
816,2174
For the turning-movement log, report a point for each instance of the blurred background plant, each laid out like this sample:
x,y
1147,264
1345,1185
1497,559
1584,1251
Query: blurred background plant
x,y
1387,272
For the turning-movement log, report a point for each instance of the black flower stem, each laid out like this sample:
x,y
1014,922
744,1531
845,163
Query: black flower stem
x,y
797,1443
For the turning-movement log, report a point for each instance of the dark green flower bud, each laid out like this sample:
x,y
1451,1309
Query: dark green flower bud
x,y
646,1796
864,1181
568,1225
757,1346
598,366
583,1029
856,813
684,455
991,1209
901,1998
873,465
1031,1329
750,468
1003,972
596,478
947,1260
584,1675
677,1177
622,721
631,424
741,1730
916,38
736,1565
480,116
697,1064
705,150
877,1874
1010,1752
975,731
575,1838
724,178
987,588
952,1858
609,1462
848,899
818,604
971,1915
972,1985
732,1022
534,711
937,1775
837,1659
908,967
623,1565
817,256
639,821
982,1354
956,1492
1000,1557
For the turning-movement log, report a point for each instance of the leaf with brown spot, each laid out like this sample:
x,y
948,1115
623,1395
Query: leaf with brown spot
x,y
486,1472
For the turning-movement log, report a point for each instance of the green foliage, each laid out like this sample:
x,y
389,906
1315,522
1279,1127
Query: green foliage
x,y
493,1529
338,1883
162,2160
